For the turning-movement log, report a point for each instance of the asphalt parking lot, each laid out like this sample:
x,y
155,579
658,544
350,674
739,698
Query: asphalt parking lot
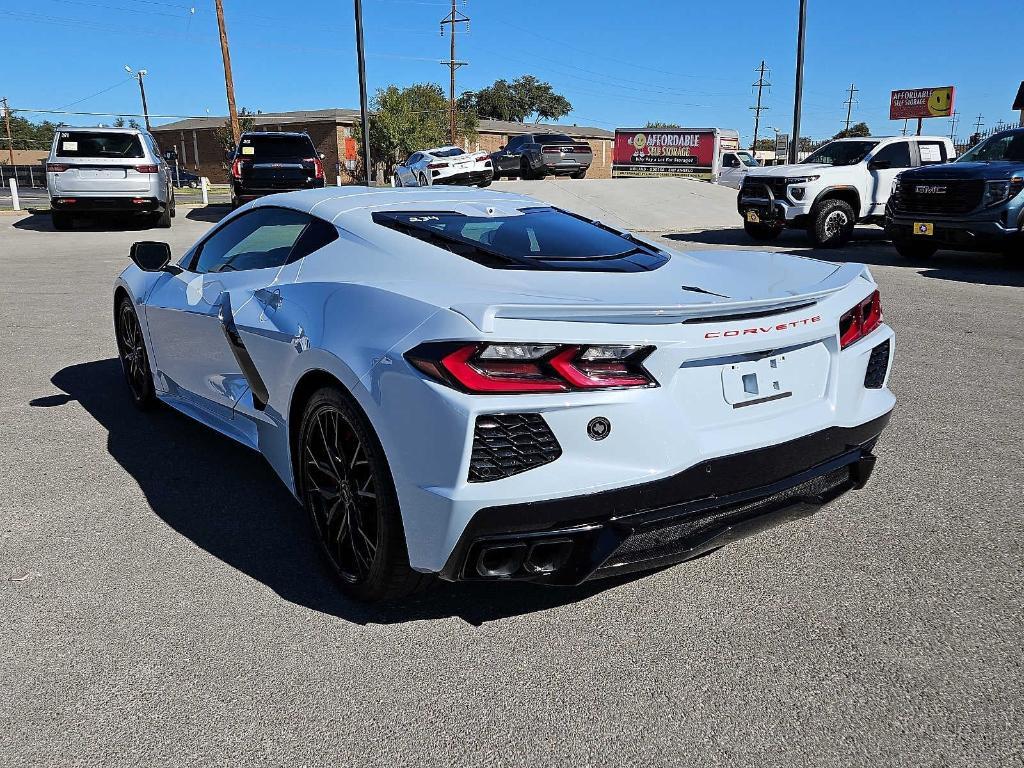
x,y
164,602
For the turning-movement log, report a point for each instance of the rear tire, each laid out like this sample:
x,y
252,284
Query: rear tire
x,y
831,224
61,221
485,183
578,174
345,484
163,219
423,181
525,171
911,249
763,233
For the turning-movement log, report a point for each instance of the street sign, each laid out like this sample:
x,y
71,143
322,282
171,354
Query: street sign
x,y
781,145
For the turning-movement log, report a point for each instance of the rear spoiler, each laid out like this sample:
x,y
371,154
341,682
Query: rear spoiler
x,y
484,315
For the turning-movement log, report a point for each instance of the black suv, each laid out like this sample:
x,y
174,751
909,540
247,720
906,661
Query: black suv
x,y
273,161
534,155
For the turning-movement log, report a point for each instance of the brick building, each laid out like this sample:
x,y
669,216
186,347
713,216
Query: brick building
x,y
200,148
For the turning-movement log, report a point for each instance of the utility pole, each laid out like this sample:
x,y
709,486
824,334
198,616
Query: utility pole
x,y
794,147
760,85
10,141
849,106
229,83
364,109
977,126
142,89
953,119
453,18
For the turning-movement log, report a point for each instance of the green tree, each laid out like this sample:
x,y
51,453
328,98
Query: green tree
x,y
764,145
523,98
246,122
854,131
119,122
406,120
657,124
27,135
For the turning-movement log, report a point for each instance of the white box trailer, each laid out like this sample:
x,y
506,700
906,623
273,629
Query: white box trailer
x,y
690,152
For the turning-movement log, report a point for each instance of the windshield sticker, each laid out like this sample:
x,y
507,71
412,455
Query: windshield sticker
x,y
70,146
248,150
424,218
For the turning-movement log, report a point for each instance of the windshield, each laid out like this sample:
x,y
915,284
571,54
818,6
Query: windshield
x,y
747,160
88,144
449,152
841,152
277,147
536,238
1006,146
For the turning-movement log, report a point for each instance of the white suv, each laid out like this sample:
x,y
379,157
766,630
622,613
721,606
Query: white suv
x,y
843,183
107,171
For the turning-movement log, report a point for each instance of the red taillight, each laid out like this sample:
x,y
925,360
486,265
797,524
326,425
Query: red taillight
x,y
56,167
550,149
860,321
525,368
318,167
438,165
236,168
147,168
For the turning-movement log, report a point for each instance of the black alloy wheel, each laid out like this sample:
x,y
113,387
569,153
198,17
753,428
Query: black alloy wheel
x,y
131,348
345,484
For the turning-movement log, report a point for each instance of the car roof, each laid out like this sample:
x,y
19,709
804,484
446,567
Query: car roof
x,y
356,202
275,133
886,138
99,129
439,149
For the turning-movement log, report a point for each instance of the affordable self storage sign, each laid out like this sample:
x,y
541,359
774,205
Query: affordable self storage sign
x,y
664,153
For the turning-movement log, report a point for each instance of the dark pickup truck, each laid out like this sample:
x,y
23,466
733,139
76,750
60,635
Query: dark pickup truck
x,y
972,204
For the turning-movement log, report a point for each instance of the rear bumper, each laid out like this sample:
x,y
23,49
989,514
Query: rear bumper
x,y
72,203
670,520
242,192
566,166
468,177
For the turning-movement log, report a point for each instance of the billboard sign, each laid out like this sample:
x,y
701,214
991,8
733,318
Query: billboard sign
x,y
664,152
922,102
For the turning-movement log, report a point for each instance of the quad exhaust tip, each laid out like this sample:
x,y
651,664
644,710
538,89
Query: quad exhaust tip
x,y
518,558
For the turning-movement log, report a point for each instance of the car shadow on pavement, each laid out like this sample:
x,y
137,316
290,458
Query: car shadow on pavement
x,y
211,213
39,221
870,246
227,500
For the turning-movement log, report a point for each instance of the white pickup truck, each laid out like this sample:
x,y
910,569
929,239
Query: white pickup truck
x,y
840,184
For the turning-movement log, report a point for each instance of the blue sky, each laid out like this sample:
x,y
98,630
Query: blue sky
x,y
619,63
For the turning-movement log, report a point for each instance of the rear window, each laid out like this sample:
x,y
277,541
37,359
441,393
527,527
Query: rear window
x,y
450,152
554,138
538,238
98,144
276,147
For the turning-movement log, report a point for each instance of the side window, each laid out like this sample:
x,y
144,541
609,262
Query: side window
x,y
413,158
260,239
897,155
730,161
932,152
314,237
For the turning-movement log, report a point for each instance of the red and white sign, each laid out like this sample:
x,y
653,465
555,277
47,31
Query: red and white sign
x,y
664,152
922,102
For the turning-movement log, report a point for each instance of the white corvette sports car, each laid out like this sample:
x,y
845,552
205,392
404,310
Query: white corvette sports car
x,y
475,385
444,165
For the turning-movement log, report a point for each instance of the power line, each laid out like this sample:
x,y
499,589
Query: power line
x,y
849,106
761,84
452,19
978,125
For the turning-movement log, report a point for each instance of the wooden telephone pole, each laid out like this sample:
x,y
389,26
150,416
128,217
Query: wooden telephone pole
x,y
10,141
453,18
229,83
849,107
761,84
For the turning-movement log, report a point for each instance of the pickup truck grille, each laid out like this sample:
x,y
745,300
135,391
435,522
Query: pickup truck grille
x,y
754,186
941,196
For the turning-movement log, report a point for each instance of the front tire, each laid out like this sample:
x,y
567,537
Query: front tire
x,y
831,224
911,249
485,183
345,484
131,349
763,233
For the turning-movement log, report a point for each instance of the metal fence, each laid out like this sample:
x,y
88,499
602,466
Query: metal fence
x,y
27,175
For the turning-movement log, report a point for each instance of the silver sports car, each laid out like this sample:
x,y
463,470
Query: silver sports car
x,y
475,385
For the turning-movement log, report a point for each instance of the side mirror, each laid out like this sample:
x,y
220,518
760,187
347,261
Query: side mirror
x,y
879,165
321,155
150,256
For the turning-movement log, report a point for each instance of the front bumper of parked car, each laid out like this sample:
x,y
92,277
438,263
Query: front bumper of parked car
x,y
988,230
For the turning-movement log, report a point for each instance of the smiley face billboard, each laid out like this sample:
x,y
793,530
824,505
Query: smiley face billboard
x,y
922,102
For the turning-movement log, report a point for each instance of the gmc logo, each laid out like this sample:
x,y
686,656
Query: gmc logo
x,y
930,189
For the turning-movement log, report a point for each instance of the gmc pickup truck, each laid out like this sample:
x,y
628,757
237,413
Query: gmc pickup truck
x,y
974,204
841,184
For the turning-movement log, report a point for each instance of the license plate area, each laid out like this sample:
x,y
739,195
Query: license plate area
x,y
797,375
753,217
924,228
101,173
